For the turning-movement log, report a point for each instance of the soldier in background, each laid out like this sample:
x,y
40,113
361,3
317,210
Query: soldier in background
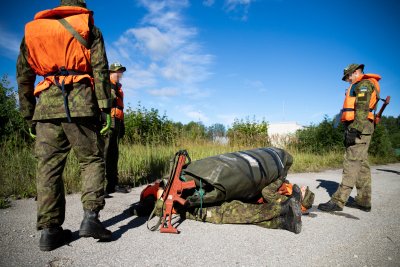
x,y
64,46
111,151
358,117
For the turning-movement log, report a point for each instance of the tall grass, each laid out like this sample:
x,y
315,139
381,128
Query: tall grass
x,y
139,164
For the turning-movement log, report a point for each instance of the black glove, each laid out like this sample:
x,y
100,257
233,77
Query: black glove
x,y
350,136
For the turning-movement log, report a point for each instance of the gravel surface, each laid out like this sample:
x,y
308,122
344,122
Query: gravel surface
x,y
348,238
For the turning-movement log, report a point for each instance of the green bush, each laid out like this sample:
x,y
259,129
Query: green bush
x,y
249,133
319,139
144,126
11,122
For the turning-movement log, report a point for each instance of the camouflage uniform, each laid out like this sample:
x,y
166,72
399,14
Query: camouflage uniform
x,y
111,155
356,170
237,212
111,149
55,137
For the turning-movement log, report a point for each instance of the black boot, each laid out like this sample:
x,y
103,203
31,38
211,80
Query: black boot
x,y
291,216
296,192
92,227
329,206
355,205
52,238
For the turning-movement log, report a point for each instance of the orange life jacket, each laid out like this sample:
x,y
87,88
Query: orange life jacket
x,y
348,111
286,189
117,111
51,46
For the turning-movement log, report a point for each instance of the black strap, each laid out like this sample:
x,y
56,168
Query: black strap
x,y
74,33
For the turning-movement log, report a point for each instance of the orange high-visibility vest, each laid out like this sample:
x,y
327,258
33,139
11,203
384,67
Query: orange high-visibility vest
x,y
348,111
51,46
117,111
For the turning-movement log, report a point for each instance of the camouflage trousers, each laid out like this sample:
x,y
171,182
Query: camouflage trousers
x,y
237,212
356,172
111,156
54,141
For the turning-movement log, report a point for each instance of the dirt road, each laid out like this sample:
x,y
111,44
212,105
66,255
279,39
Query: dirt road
x,y
348,238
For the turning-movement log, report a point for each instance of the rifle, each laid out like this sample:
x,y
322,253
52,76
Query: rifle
x,y
173,191
379,114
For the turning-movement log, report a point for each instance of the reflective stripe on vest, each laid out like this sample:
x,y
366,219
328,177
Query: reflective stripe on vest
x,y
51,46
348,111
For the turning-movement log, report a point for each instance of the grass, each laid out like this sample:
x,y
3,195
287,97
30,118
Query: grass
x,y
138,164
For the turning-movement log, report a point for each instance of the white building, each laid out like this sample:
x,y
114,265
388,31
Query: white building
x,y
280,133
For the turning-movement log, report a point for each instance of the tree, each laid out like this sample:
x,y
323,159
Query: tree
x,y
11,122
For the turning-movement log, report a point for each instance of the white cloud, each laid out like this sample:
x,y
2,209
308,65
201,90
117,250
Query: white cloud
x,y
193,113
238,7
208,2
164,50
198,116
227,119
256,85
9,44
167,91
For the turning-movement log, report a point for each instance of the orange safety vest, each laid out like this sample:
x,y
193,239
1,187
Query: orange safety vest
x,y
51,46
117,111
348,111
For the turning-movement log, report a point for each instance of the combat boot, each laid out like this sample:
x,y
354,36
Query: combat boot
x,y
329,206
296,192
291,216
355,205
52,238
92,227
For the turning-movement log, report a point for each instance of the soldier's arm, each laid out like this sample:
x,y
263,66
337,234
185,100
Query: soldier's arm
x,y
270,192
363,92
26,82
99,65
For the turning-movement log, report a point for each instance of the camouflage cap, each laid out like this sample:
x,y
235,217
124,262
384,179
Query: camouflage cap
x,y
350,69
114,67
80,3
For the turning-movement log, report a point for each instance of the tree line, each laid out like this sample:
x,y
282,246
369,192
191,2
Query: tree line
x,y
148,127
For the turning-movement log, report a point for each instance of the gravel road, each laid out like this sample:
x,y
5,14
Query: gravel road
x,y
348,238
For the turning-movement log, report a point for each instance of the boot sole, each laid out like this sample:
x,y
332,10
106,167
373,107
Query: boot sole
x,y
67,237
296,225
95,235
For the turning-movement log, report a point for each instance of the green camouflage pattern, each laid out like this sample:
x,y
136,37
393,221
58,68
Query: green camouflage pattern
x,y
111,155
350,69
363,91
80,3
83,99
54,141
356,172
270,192
237,212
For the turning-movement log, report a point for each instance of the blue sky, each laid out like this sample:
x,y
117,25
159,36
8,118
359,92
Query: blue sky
x,y
217,60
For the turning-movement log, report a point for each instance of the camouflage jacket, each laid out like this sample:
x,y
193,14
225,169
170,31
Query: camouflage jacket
x,y
83,99
362,91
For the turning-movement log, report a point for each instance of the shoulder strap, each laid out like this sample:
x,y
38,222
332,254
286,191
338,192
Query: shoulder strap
x,y
74,33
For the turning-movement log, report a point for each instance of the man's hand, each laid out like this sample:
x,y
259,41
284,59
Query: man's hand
x,y
107,126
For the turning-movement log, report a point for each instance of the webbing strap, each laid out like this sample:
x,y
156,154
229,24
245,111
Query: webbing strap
x,y
276,158
74,33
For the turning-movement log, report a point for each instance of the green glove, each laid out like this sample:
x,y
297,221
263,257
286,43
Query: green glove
x,y
108,125
32,134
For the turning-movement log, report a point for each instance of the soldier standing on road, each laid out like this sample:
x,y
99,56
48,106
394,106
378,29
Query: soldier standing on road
x,y
358,117
111,151
64,46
